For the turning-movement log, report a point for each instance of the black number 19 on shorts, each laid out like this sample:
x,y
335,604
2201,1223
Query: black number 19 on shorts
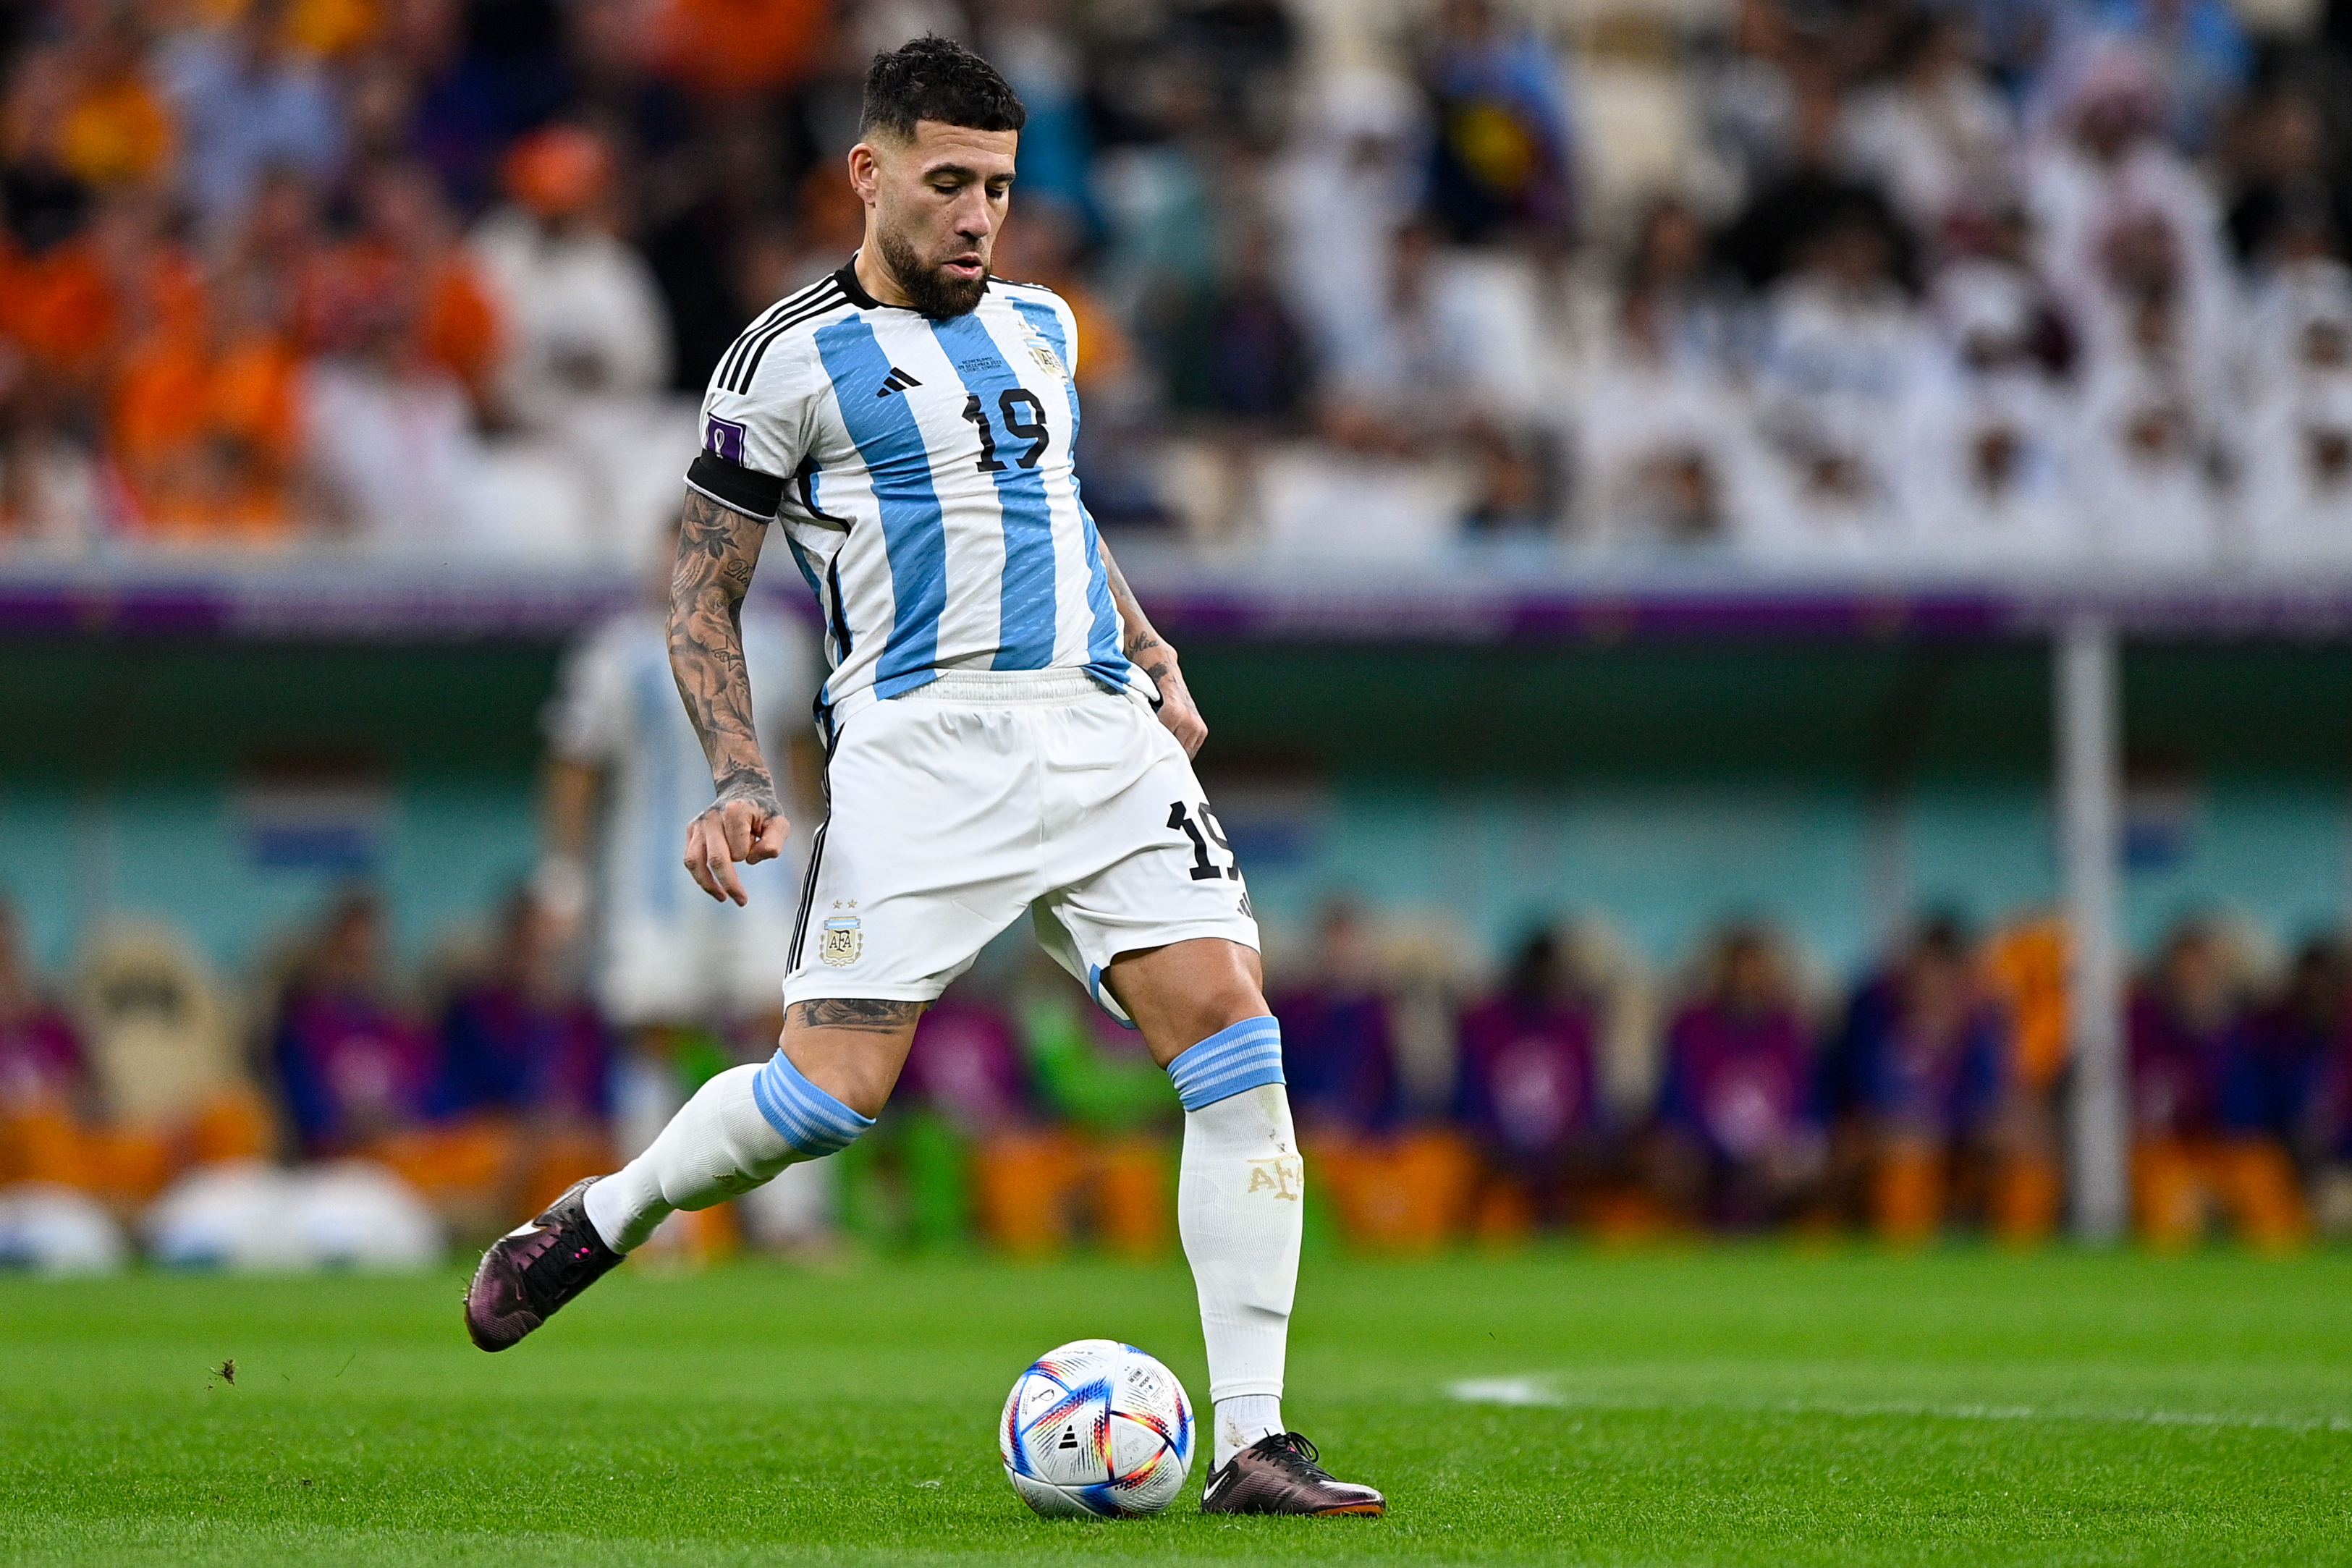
x,y
1179,817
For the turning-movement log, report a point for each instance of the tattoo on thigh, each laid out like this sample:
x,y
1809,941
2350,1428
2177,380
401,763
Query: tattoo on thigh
x,y
855,1012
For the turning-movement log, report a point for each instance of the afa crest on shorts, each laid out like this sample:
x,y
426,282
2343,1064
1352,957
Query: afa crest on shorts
x,y
842,939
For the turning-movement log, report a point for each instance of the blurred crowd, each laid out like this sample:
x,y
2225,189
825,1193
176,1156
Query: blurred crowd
x,y
349,1114
1924,281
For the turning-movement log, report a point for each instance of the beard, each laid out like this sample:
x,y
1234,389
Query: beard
x,y
935,293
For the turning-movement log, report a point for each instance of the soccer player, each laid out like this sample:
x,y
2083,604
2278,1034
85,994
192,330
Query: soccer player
x,y
994,750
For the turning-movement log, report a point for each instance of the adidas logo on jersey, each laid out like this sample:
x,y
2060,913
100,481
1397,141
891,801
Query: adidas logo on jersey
x,y
897,381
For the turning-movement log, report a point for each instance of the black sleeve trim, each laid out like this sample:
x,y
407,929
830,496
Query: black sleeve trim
x,y
749,491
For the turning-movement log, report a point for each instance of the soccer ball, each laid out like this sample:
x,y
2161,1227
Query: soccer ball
x,y
1099,1428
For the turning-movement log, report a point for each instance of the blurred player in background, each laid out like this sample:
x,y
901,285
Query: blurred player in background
x,y
993,751
677,974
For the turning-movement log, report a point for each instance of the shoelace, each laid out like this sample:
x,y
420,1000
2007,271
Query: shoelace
x,y
1295,1454
553,1257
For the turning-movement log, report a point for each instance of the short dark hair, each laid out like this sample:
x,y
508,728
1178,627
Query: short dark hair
x,y
931,77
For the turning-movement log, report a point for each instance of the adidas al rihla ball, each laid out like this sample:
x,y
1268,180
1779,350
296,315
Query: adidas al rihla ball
x,y
1098,1428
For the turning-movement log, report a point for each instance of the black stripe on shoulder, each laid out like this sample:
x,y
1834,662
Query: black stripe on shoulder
x,y
773,313
806,313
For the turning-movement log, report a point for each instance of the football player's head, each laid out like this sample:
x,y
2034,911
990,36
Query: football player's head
x,y
934,167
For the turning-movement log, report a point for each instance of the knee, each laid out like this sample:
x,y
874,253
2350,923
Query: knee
x,y
1182,994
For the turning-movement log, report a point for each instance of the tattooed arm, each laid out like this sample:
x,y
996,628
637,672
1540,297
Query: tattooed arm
x,y
717,550
1155,658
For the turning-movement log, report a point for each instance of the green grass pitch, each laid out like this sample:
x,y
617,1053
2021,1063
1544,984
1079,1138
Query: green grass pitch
x,y
1722,1406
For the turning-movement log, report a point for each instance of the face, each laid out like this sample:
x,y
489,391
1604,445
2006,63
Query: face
x,y
933,207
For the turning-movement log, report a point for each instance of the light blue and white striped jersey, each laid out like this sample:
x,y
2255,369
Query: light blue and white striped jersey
x,y
922,472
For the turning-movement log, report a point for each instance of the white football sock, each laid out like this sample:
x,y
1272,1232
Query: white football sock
x,y
1243,1420
718,1146
1238,1194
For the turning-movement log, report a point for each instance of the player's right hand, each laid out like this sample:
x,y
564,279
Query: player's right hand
x,y
731,831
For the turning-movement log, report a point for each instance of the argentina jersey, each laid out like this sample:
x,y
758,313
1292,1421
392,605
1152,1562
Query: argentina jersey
x,y
922,470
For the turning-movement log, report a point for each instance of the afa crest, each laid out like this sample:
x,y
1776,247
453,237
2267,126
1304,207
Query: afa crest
x,y
842,941
1047,360
1284,1177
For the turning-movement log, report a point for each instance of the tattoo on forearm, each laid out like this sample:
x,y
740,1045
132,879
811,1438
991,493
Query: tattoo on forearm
x,y
743,781
717,550
851,1012
1143,644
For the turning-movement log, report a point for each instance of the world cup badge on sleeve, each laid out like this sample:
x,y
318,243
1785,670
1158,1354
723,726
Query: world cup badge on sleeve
x,y
723,437
842,942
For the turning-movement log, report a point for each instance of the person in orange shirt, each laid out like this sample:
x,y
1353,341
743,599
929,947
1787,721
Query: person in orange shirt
x,y
205,426
406,272
114,128
731,48
82,308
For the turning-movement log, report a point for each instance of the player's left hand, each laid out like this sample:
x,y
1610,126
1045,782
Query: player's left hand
x,y
728,831
1177,709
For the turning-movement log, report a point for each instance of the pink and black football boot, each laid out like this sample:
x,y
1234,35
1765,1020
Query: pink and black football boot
x,y
530,1271
1280,1474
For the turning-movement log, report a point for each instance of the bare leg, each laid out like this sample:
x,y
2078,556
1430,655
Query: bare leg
x,y
853,1050
1182,994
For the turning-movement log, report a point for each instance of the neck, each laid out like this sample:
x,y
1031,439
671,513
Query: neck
x,y
875,276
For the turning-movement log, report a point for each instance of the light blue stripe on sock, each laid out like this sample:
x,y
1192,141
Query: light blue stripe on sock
x,y
803,1114
1241,1056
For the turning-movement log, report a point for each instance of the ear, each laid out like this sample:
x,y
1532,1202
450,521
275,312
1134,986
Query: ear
x,y
865,173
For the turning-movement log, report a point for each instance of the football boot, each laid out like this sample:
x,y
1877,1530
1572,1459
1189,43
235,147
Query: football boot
x,y
1280,1474
530,1271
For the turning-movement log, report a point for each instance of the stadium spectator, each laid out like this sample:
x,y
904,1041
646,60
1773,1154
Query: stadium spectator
x,y
2025,965
2148,442
1844,347
1526,1091
480,76
1918,1082
1663,437
2271,1082
2187,1041
354,1069
584,347
1502,160
1346,187
207,425
43,1081
1337,1056
1231,185
2298,427
248,102
1990,432
1391,1183
408,341
1935,135
1738,1141
98,107
2118,215
2200,52
525,1067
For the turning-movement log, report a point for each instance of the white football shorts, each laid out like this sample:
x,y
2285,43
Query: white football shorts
x,y
965,802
